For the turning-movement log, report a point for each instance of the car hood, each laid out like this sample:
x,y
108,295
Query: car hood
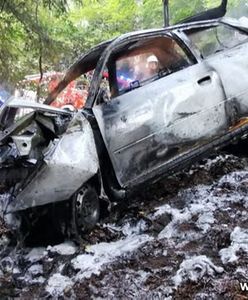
x,y
20,102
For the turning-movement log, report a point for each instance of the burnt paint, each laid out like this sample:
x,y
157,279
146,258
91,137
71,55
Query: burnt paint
x,y
143,128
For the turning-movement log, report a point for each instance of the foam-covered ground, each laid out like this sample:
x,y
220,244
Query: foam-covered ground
x,y
185,237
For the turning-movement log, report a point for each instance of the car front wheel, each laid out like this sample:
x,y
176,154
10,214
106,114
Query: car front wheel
x,y
85,210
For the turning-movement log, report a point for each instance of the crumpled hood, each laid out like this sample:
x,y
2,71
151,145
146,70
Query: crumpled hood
x,y
69,162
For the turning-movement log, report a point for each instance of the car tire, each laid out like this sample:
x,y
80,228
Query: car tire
x,y
85,211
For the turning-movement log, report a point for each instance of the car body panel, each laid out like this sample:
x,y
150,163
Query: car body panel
x,y
141,134
168,116
16,102
232,69
68,162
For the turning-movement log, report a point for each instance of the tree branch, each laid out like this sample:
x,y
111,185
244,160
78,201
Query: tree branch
x,y
3,4
26,20
40,56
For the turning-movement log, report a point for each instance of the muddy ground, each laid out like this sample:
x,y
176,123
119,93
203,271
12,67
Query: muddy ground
x,y
185,237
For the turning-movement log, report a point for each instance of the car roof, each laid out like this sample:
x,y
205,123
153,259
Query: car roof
x,y
88,61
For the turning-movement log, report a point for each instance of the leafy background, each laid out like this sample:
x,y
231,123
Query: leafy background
x,y
50,34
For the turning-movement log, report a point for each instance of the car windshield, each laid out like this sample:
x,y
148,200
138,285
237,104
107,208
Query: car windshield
x,y
215,39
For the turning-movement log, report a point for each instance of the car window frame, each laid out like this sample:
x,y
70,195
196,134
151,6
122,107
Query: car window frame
x,y
149,79
206,27
122,41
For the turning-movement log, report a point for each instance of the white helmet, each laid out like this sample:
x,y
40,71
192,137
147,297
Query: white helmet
x,y
152,58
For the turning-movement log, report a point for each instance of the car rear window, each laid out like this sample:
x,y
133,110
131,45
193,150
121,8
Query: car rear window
x,y
215,39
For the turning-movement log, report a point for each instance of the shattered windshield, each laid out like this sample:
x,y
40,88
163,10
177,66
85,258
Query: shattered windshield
x,y
216,39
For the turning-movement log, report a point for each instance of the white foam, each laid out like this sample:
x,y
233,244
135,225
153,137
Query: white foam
x,y
66,248
36,254
57,284
104,253
194,269
239,241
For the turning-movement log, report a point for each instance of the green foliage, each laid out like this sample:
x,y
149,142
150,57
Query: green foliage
x,y
104,19
59,30
25,36
151,14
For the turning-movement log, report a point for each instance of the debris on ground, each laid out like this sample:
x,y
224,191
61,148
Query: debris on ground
x,y
184,237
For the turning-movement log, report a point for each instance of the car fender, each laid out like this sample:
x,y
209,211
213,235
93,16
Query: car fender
x,y
68,163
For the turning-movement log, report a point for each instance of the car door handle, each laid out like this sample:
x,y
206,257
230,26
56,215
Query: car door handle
x,y
205,80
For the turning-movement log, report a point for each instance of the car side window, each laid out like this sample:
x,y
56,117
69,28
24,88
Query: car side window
x,y
215,39
147,61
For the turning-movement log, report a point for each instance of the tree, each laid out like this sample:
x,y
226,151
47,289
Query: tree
x,y
50,34
25,38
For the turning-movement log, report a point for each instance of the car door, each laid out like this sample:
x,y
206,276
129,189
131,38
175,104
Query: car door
x,y
152,122
225,49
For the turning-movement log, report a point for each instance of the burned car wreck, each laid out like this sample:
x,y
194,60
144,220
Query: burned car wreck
x,y
139,123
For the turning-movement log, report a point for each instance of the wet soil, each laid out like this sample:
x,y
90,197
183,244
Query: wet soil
x,y
188,215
